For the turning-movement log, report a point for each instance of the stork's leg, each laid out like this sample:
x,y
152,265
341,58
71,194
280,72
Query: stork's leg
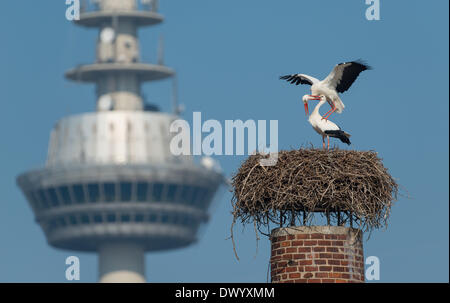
x,y
328,113
314,97
328,147
323,142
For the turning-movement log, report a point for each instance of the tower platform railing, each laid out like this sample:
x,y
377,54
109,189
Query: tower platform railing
x,y
87,6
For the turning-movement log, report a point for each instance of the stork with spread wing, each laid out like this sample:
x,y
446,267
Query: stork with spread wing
x,y
338,81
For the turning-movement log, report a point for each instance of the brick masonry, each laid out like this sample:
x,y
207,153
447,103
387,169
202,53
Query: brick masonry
x,y
317,254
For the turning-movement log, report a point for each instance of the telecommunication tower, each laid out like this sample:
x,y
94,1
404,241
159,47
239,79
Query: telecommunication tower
x,y
110,184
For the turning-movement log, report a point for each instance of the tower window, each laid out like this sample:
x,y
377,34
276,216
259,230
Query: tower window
x,y
78,193
186,193
110,192
111,218
125,218
157,191
94,192
65,195
41,195
125,191
53,197
142,189
98,218
171,191
195,194
34,199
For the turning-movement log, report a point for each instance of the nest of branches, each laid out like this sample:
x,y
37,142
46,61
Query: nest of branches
x,y
346,187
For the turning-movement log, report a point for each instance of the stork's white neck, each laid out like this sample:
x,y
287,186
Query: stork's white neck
x,y
316,109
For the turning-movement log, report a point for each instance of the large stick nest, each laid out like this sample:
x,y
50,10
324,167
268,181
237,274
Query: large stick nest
x,y
346,187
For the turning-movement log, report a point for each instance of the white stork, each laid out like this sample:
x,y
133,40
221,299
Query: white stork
x,y
325,128
338,81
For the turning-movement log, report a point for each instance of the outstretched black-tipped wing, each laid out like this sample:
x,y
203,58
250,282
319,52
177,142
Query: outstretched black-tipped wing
x,y
299,79
344,74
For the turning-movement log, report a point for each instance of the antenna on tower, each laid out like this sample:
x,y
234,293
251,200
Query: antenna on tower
x,y
177,108
155,5
150,4
161,50
115,26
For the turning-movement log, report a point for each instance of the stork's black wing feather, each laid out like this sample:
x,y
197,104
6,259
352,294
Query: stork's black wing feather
x,y
296,79
350,73
341,135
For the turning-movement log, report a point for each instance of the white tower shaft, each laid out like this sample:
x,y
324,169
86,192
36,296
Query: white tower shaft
x,y
121,263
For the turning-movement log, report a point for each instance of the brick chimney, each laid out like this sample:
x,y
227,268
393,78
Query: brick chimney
x,y
317,254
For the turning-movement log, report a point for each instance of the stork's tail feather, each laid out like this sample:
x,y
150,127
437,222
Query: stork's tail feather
x,y
339,105
340,134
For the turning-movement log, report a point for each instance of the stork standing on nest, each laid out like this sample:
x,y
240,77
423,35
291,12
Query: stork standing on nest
x,y
338,81
325,128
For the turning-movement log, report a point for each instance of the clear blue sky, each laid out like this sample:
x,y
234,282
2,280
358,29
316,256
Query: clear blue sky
x,y
229,55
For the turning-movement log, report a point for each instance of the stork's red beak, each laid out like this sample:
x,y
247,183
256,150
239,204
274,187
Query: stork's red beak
x,y
306,108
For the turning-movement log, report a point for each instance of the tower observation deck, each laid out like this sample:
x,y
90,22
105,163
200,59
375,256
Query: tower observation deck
x,y
110,184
